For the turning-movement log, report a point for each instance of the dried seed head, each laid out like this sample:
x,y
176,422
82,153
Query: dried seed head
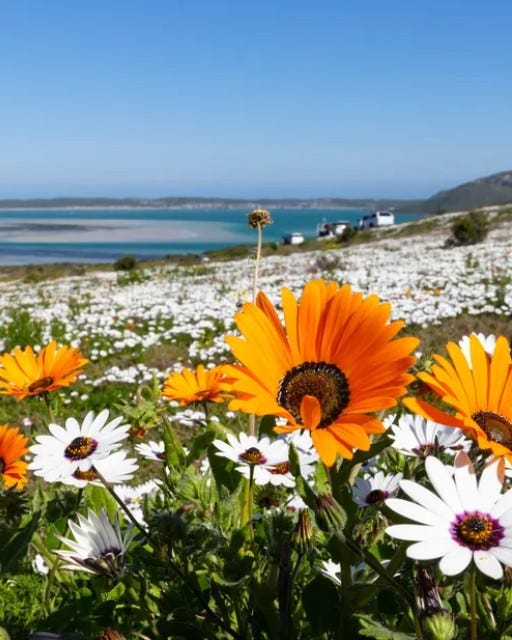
x,y
259,218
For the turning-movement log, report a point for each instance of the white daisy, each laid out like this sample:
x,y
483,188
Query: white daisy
x,y
416,436
253,455
115,469
463,521
98,546
134,497
372,489
488,343
76,446
151,450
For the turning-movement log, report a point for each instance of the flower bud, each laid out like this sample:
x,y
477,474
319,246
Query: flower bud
x,y
302,536
441,626
329,514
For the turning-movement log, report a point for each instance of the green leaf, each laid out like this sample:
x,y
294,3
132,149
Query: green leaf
x,y
174,454
98,497
267,424
199,446
223,471
321,603
372,629
14,543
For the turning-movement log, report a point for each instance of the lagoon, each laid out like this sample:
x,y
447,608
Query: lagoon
x,y
30,236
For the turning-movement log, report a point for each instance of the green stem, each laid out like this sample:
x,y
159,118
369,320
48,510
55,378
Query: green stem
x,y
472,606
123,506
257,265
374,564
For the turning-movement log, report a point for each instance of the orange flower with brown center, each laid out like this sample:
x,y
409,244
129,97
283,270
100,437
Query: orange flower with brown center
x,y
23,373
12,447
479,390
333,362
202,385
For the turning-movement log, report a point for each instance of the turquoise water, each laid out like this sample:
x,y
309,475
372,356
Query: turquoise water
x,y
203,229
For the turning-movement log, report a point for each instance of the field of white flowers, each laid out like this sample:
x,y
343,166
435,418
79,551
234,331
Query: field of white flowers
x,y
185,532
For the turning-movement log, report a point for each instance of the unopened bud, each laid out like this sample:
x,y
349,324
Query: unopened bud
x,y
259,218
330,516
302,536
4,635
441,626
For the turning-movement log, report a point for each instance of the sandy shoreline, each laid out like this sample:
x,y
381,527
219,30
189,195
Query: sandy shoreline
x,y
56,230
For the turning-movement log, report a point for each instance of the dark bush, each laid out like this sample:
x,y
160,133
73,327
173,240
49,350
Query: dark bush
x,y
125,263
348,234
469,229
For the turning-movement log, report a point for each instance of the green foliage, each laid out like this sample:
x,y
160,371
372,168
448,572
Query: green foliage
x,y
22,330
126,263
469,229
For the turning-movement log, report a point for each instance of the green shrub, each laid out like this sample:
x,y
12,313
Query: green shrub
x,y
469,229
125,263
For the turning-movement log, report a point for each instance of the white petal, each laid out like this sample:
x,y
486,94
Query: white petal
x,y
427,499
465,480
491,484
503,554
415,512
443,483
455,561
502,505
488,564
415,532
434,548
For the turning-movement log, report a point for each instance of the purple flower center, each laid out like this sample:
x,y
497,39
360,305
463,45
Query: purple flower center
x,y
252,456
80,448
375,496
477,531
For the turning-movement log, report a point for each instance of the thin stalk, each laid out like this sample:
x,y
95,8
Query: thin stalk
x,y
123,506
47,402
257,264
372,562
472,605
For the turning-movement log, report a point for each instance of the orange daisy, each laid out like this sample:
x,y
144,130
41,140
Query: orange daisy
x,y
332,363
202,385
23,373
12,446
479,389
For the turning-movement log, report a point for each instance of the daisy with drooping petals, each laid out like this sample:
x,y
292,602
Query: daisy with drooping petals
x,y
202,385
76,447
115,469
151,450
464,520
23,373
13,445
480,394
253,455
333,362
374,489
416,436
98,546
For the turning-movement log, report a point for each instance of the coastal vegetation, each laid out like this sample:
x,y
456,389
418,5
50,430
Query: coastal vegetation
x,y
178,463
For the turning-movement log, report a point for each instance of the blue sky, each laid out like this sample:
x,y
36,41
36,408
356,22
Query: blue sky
x,y
252,99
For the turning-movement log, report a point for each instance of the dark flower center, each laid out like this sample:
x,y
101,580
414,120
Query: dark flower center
x,y
2,465
497,428
323,381
252,456
375,496
477,530
280,469
80,448
88,475
41,385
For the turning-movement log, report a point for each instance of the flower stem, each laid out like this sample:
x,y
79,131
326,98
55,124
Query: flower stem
x,y
472,605
123,506
372,562
257,264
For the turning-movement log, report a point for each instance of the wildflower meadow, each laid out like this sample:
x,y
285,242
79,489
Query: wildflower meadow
x,y
283,447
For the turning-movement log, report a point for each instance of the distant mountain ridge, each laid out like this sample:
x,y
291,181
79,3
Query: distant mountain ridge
x,y
491,190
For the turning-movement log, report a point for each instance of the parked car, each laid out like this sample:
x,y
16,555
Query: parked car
x,y
293,238
376,219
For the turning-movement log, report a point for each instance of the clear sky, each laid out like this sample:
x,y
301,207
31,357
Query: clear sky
x,y
297,98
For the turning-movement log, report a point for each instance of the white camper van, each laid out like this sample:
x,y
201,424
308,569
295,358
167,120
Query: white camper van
x,y
376,219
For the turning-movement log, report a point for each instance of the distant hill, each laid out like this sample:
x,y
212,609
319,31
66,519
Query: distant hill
x,y
495,189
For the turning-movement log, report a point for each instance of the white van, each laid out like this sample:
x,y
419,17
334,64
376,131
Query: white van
x,y
376,219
